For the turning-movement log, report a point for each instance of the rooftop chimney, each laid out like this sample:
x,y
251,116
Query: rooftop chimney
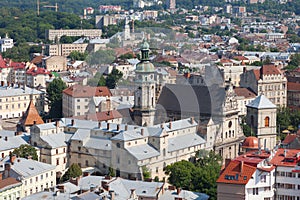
x,y
112,195
34,122
132,194
12,159
178,190
107,126
99,124
192,120
72,122
170,125
57,123
5,138
241,166
126,127
142,131
118,127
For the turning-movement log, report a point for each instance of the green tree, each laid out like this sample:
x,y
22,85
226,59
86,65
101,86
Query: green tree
x,y
76,55
101,57
111,172
102,81
146,173
113,78
180,174
54,91
25,151
74,171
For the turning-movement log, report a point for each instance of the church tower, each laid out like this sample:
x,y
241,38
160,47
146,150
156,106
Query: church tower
x,y
261,117
144,96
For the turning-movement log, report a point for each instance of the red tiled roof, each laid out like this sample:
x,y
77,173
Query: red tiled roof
x,y
269,70
225,61
293,86
241,58
37,70
8,182
101,116
87,91
245,92
256,74
31,115
236,172
2,62
288,160
172,72
37,60
17,65
289,138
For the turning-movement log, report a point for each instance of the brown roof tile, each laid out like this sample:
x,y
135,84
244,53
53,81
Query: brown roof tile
x,y
290,158
8,182
236,172
293,86
256,74
31,115
245,92
269,70
87,91
289,138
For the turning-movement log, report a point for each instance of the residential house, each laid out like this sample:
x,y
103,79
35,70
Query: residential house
x,y
293,95
77,98
10,188
269,81
244,96
37,77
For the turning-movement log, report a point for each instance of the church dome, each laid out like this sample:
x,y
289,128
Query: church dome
x,y
250,143
145,67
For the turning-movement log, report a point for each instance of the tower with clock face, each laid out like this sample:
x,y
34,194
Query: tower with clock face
x,y
144,97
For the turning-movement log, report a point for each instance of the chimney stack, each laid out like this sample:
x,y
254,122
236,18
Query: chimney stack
x,y
170,125
126,127
2,83
142,131
178,190
5,138
192,120
57,123
34,122
112,195
12,159
118,127
242,166
99,124
107,126
72,122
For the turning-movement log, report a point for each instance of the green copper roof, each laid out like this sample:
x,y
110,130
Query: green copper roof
x,y
145,66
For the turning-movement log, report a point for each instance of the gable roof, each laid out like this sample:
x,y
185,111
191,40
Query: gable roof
x,y
9,183
261,102
87,91
245,92
237,172
31,116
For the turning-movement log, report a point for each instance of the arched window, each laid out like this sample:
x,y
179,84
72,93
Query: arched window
x,y
267,121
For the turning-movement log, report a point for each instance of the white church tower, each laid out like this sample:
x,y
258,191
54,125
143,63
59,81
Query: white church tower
x,y
261,116
144,97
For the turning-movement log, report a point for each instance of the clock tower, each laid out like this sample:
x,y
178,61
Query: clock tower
x,y
144,96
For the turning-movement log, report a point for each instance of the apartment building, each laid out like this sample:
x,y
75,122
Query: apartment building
x,y
293,95
55,63
77,98
52,34
6,43
35,176
13,72
14,100
64,49
244,96
37,77
50,140
269,81
10,188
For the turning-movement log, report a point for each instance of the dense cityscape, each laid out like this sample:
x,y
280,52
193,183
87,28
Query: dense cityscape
x,y
150,100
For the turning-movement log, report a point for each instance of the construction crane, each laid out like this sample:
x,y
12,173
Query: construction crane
x,y
56,7
38,3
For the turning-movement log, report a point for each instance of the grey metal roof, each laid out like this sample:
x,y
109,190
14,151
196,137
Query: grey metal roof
x,y
87,182
192,99
187,195
122,188
142,152
16,91
28,167
87,196
81,134
55,140
7,133
98,143
261,102
13,142
45,195
70,187
184,141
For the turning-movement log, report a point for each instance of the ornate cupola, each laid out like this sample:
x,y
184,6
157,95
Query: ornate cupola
x,y
144,97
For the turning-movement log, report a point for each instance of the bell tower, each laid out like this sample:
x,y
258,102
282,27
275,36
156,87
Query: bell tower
x,y
144,96
261,117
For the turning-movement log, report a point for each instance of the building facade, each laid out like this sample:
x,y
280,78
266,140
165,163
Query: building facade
x,y
56,34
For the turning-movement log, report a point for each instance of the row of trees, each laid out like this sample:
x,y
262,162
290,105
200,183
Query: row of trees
x,y
110,80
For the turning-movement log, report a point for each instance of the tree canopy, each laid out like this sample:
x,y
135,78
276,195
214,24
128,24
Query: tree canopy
x,y
74,171
198,176
101,57
26,151
54,91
